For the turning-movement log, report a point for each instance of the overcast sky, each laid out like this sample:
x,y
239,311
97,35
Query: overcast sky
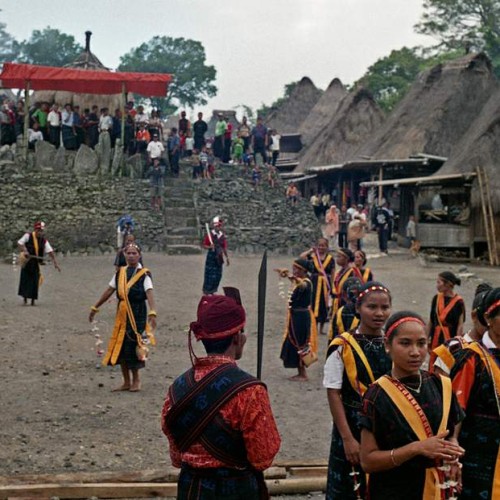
x,y
256,46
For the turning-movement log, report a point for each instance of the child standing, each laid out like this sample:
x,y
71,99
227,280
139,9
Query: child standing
x,y
195,161
204,162
256,176
156,176
189,144
237,147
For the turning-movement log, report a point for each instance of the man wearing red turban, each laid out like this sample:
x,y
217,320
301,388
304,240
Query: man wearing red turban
x,y
218,418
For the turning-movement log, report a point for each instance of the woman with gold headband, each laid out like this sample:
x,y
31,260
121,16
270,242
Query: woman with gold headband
x,y
447,313
322,275
345,263
354,360
133,324
300,332
407,422
476,381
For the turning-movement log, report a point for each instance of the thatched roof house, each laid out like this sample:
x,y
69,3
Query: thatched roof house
x,y
85,61
437,111
288,118
356,118
323,112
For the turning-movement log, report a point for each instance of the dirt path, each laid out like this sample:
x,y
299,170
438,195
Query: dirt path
x,y
57,410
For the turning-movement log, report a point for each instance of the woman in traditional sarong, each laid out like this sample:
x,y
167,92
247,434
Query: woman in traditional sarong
x,y
346,319
322,275
476,381
360,264
354,361
332,225
134,326
344,260
300,331
216,244
449,352
407,421
447,314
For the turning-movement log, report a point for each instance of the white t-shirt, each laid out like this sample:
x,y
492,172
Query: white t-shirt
x,y
275,144
34,136
148,283
53,119
105,122
25,238
189,143
439,363
155,149
333,370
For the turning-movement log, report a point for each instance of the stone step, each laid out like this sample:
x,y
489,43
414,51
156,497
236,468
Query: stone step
x,y
179,230
183,250
179,191
182,239
179,211
173,221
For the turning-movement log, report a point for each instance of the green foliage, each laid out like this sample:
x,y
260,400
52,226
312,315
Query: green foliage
x,y
9,47
390,78
463,25
49,47
185,60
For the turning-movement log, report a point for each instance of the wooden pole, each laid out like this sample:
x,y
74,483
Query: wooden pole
x,y
380,187
122,128
26,118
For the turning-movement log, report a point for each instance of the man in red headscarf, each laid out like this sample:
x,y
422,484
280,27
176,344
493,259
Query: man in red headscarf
x,y
33,247
218,418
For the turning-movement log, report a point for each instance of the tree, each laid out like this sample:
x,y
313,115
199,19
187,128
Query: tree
x,y
49,47
463,24
9,47
390,78
185,60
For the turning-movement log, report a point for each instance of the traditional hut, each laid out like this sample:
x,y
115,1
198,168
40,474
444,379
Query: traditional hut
x,y
322,112
436,112
86,60
288,118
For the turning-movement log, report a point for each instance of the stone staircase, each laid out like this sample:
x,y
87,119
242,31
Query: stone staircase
x,y
180,214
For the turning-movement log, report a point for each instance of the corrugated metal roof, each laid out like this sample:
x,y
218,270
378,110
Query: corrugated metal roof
x,y
430,179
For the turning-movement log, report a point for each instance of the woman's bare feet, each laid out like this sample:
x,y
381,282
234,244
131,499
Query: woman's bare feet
x,y
124,387
299,378
135,387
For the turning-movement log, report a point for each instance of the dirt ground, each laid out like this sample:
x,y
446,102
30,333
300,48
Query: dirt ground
x,y
57,411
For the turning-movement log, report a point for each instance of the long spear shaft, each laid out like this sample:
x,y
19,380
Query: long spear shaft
x,y
261,312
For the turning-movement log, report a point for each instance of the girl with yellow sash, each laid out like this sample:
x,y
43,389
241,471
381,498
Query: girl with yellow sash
x,y
354,361
476,381
133,324
360,261
322,275
407,421
344,260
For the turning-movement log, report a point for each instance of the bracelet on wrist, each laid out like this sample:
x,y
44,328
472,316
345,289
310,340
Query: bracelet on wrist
x,y
393,459
94,309
152,313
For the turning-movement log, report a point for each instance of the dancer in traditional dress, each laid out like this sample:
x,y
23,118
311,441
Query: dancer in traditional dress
x,y
360,261
476,381
33,246
354,361
447,313
300,337
344,260
216,243
408,419
134,325
223,446
448,353
322,278
346,319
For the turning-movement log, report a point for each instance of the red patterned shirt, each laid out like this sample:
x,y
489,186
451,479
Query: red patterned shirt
x,y
248,412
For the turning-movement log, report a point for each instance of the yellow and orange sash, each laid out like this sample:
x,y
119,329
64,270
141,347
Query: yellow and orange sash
x,y
123,312
494,372
322,284
417,420
366,274
338,284
37,249
349,346
341,328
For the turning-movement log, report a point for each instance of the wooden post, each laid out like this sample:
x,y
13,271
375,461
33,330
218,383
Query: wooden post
x,y
122,130
26,118
380,188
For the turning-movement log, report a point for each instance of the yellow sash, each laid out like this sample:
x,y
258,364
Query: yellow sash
x,y
338,289
445,355
35,244
350,344
340,324
419,424
321,283
494,372
124,310
366,274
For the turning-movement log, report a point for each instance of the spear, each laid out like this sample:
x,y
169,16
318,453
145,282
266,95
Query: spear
x,y
261,312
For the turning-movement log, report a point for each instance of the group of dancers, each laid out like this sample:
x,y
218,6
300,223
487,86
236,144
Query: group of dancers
x,y
399,430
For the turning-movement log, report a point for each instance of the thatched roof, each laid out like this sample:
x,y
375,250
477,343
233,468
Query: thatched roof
x,y
288,118
322,112
480,146
86,60
357,117
437,111
230,116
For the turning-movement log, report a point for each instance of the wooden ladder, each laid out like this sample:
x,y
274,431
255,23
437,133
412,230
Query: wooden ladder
x,y
489,220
